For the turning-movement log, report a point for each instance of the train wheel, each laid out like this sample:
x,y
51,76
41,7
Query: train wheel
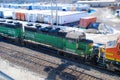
x,y
94,60
110,67
61,53
17,41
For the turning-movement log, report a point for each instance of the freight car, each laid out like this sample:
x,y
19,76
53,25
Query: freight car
x,y
66,42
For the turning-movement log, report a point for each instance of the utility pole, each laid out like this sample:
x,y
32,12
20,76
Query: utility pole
x,y
56,12
52,13
56,16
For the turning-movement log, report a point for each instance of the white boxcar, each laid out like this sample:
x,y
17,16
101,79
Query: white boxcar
x,y
6,12
69,16
31,17
64,17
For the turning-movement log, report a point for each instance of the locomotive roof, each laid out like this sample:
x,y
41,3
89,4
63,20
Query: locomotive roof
x,y
9,22
75,35
32,25
66,32
63,32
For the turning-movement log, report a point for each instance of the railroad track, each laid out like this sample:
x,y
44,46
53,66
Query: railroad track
x,y
43,54
53,70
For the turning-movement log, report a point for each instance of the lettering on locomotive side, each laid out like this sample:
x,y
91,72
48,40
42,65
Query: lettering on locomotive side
x,y
30,35
11,31
111,44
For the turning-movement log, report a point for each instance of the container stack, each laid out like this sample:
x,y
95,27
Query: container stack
x,y
45,16
85,21
63,17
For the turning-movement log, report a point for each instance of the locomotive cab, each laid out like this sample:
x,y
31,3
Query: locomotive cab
x,y
113,55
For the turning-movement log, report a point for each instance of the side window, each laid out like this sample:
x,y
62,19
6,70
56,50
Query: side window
x,y
119,46
71,41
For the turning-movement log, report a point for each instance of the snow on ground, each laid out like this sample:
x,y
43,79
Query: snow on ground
x,y
17,72
107,16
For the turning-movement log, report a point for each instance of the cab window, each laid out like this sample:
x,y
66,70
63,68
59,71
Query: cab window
x,y
71,41
119,46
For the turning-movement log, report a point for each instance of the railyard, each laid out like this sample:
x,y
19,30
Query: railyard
x,y
30,60
49,66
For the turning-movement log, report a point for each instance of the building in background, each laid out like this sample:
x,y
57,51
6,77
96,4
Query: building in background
x,y
32,1
98,3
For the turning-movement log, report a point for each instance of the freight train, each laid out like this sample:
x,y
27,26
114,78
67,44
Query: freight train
x,y
72,42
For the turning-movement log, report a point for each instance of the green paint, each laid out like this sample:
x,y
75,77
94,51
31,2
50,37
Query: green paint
x,y
14,32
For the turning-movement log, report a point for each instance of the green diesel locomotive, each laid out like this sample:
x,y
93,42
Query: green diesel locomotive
x,y
65,41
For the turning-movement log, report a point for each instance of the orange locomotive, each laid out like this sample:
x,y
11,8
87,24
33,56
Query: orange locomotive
x,y
107,50
112,56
